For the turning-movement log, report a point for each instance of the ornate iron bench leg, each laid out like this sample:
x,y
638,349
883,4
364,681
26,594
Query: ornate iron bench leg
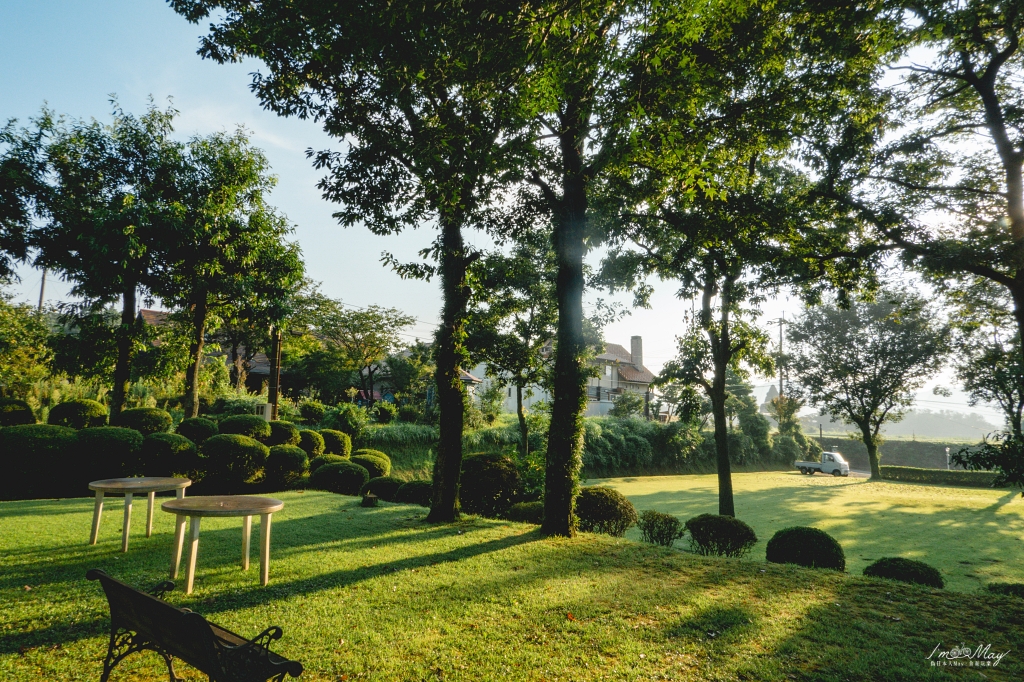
x,y
170,667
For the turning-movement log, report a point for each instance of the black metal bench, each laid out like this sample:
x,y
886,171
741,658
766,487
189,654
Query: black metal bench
x,y
141,620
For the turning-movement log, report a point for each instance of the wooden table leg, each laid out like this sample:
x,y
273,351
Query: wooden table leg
x,y
97,512
149,514
193,550
246,533
127,521
265,548
179,541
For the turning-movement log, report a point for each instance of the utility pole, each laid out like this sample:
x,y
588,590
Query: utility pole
x,y
42,291
781,322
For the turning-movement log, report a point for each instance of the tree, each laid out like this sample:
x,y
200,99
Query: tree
x,y
785,409
22,170
24,352
627,404
863,364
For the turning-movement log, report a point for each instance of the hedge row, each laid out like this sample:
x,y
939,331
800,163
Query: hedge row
x,y
972,479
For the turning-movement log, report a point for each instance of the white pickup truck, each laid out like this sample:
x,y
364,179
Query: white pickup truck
x,y
831,463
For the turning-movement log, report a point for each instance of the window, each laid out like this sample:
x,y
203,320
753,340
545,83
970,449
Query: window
x,y
607,370
509,391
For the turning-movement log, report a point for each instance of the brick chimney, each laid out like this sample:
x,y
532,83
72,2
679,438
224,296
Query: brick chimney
x,y
636,352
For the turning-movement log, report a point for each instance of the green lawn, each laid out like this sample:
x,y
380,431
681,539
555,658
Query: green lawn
x,y
973,536
376,594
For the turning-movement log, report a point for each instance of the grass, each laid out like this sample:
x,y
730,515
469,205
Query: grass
x,y
973,536
376,594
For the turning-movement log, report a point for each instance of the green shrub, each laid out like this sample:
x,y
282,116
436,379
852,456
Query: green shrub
x,y
312,411
311,442
714,535
605,510
660,529
233,459
375,465
318,462
1008,589
344,478
409,414
169,454
38,460
283,433
80,413
109,452
372,453
197,429
347,417
806,547
415,492
969,479
286,464
489,485
906,571
384,412
249,425
145,420
384,487
526,512
14,412
336,442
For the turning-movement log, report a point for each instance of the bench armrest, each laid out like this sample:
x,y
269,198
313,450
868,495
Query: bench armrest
x,y
161,588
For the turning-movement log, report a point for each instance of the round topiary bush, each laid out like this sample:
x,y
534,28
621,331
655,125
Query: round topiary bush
x,y
312,411
415,492
169,454
109,452
311,442
372,453
145,420
806,547
660,529
375,465
605,510
526,512
14,412
233,459
906,571
38,460
384,487
318,462
344,478
283,433
714,535
78,414
249,425
196,429
286,464
336,442
489,485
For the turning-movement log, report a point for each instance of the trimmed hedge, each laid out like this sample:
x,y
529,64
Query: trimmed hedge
x,y
14,412
660,529
344,478
415,492
384,487
806,547
336,442
715,535
1007,589
906,571
78,414
375,465
249,425
311,442
145,420
169,454
285,464
318,462
526,512
605,510
970,479
233,459
490,484
372,453
312,411
197,429
283,433
108,452
37,460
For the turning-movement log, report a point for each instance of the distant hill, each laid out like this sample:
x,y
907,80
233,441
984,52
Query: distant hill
x,y
923,424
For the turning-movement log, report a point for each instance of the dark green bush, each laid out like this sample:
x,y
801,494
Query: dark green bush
x,y
286,464
109,452
169,454
38,460
415,492
375,465
409,414
526,512
384,412
714,535
660,529
348,418
605,510
233,459
78,414
906,571
372,453
14,412
249,425
806,547
344,478
490,484
969,479
312,411
318,462
196,429
145,420
283,433
384,487
1008,589
312,442
336,442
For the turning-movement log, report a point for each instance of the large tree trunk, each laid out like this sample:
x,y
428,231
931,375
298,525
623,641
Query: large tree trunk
x,y
524,429
123,365
237,370
444,503
717,395
870,443
199,313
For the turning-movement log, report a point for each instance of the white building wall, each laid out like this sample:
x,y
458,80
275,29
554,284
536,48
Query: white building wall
x,y
608,380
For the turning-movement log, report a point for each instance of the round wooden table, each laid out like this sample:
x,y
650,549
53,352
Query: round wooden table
x,y
195,508
151,485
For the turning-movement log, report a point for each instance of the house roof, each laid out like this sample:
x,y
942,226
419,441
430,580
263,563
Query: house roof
x,y
155,318
615,353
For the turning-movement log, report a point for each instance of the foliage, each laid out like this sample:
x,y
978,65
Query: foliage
x,y
627,404
1008,589
22,169
605,510
336,442
906,571
283,433
372,453
415,492
311,442
37,459
384,487
791,444
376,466
285,464
384,412
526,512
233,459
717,535
170,454
786,449
973,479
78,414
344,478
196,429
490,485
1004,455
632,446
806,546
14,412
348,418
318,462
250,425
660,529
108,452
312,411
145,420
24,352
